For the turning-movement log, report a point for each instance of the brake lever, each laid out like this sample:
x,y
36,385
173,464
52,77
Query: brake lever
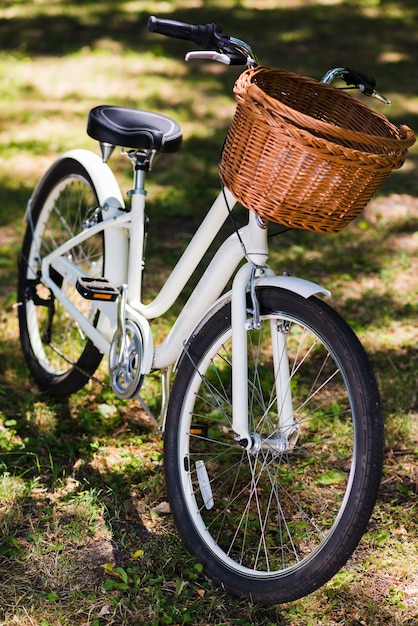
x,y
210,55
369,91
236,58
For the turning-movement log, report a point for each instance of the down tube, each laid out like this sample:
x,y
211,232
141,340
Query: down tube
x,y
190,258
205,294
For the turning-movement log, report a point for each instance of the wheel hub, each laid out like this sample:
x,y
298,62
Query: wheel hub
x,y
275,444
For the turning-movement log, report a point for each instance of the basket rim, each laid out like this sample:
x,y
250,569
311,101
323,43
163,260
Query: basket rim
x,y
249,93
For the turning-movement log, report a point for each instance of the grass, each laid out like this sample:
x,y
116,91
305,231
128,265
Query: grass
x,y
85,537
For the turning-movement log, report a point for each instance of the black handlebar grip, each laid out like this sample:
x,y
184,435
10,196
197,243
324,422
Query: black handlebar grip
x,y
366,78
203,36
355,78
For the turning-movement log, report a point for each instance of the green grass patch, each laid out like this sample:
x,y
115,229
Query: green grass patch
x,y
85,537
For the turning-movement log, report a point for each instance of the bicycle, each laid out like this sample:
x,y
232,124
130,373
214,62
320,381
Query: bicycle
x,y
273,449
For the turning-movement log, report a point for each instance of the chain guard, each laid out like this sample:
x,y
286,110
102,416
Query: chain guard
x,y
125,370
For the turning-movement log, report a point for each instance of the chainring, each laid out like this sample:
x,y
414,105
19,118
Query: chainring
x,y
125,366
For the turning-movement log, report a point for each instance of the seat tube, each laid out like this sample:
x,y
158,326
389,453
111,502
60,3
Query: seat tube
x,y
137,232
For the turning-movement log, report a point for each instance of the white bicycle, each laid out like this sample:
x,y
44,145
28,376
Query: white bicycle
x,y
273,433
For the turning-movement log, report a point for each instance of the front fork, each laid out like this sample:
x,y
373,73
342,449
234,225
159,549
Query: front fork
x,y
246,278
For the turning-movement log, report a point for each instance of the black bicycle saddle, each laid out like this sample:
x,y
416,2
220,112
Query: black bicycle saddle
x,y
133,128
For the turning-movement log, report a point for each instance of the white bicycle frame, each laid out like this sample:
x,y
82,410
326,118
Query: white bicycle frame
x,y
124,237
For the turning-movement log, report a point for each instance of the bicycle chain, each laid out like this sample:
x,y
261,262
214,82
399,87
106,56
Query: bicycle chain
x,y
80,369
141,401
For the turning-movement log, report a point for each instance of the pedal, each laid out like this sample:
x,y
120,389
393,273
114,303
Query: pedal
x,y
96,288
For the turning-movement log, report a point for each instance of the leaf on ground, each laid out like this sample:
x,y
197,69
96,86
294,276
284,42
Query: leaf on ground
x,y
162,509
103,611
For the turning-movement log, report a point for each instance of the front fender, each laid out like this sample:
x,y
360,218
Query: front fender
x,y
302,287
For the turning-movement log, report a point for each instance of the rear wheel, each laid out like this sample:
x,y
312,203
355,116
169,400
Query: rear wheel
x,y
275,522
60,357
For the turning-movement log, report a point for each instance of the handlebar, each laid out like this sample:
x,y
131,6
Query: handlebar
x,y
221,47
202,35
209,37
363,82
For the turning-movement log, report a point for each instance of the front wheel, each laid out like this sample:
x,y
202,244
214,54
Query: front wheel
x,y
275,522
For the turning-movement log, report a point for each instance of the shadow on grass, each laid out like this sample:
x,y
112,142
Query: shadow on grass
x,y
306,38
282,32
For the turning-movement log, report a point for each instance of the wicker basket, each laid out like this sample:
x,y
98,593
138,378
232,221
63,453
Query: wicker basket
x,y
305,154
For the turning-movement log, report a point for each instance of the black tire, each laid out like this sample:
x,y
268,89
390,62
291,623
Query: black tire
x,y
282,519
59,356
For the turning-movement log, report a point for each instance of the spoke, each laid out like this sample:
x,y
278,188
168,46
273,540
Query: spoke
x,y
271,508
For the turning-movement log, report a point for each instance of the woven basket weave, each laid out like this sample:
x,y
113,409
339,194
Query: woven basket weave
x,y
305,154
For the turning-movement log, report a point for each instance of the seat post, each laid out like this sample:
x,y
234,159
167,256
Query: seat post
x,y
139,182
142,162
136,260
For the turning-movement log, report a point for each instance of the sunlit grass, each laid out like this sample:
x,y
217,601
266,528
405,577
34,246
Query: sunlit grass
x,y
81,479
